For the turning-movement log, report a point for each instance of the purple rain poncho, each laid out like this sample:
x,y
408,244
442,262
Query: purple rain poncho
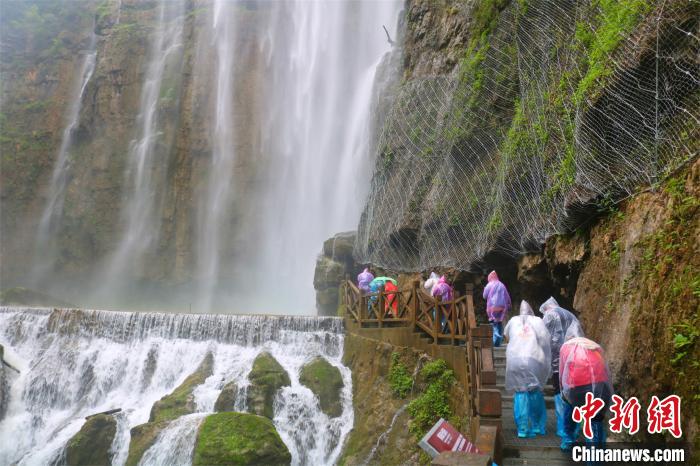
x,y
442,290
497,298
364,279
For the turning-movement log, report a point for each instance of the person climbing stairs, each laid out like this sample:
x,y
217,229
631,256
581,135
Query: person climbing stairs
x,y
539,450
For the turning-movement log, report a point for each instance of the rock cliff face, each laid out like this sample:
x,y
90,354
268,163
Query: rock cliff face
x,y
381,432
515,119
632,276
333,265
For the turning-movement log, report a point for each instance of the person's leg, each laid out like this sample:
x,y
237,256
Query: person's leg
x,y
569,427
559,405
497,333
521,414
538,412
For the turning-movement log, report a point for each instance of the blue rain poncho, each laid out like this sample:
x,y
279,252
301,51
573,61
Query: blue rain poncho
x,y
528,357
557,320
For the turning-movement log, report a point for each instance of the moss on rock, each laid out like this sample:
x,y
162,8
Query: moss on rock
x,y
326,382
181,400
227,398
239,439
90,446
266,377
142,438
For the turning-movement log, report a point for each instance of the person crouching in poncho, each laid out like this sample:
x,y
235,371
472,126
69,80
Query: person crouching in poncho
x,y
528,367
582,370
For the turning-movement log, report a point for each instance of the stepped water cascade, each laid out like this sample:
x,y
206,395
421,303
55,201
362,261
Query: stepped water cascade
x,y
53,210
147,163
77,363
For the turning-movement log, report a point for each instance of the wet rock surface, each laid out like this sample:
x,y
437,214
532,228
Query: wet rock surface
x,y
240,439
181,400
91,445
227,398
326,382
266,377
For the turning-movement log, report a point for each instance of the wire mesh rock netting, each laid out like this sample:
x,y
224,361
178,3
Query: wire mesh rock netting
x,y
555,106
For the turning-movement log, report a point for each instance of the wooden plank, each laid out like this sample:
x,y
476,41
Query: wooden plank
x,y
489,402
486,358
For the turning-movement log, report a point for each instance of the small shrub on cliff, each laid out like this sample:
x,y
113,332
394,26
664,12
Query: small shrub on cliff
x,y
433,403
400,380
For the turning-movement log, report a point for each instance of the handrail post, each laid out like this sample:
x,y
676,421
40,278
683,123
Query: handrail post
x,y
380,311
436,319
416,304
453,312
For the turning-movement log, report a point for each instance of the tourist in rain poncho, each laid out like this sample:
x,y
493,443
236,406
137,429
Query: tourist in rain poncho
x,y
583,369
443,291
557,320
528,367
375,286
431,282
497,305
364,279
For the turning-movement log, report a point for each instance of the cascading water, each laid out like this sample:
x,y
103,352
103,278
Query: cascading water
x,y
53,210
321,63
147,161
216,202
77,363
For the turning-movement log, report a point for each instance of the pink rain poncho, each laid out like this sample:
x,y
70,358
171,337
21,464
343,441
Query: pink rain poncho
x,y
528,364
442,290
497,298
583,369
364,279
431,282
557,320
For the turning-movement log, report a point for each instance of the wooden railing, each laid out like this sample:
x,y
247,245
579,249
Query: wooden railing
x,y
450,322
446,322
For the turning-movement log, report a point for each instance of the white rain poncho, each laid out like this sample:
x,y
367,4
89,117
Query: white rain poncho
x,y
557,320
583,369
528,357
431,282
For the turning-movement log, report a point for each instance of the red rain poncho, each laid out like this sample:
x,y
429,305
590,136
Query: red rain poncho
x,y
582,365
391,299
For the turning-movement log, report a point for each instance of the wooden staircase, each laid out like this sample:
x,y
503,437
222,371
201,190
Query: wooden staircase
x,y
542,450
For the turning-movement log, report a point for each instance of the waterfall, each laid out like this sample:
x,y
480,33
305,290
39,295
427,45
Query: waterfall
x,y
147,161
77,363
53,210
216,202
322,58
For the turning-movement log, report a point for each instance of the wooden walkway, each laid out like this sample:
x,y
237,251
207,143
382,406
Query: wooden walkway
x,y
444,323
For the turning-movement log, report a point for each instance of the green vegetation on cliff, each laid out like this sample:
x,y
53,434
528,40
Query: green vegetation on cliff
x,y
400,379
239,439
434,402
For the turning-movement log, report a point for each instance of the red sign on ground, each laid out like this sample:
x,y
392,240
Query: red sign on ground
x,y
444,437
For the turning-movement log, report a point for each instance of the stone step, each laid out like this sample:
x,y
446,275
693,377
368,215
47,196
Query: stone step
x,y
507,402
536,462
